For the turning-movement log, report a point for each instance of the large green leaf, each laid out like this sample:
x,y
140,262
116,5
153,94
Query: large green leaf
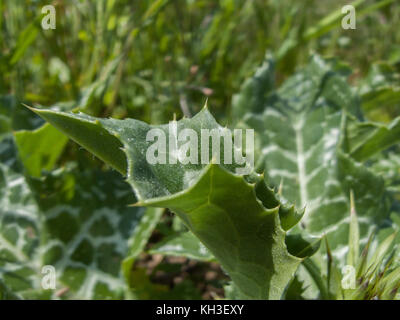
x,y
301,144
244,236
77,222
94,138
243,225
105,138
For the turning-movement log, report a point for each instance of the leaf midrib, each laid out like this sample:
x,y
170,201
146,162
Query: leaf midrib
x,y
298,126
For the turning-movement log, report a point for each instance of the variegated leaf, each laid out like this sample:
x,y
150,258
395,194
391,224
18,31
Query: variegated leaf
x,y
300,143
77,222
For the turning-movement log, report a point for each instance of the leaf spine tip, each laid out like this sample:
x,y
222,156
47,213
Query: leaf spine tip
x,y
206,104
136,204
29,107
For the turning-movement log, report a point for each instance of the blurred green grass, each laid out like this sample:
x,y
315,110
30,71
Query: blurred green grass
x,y
150,59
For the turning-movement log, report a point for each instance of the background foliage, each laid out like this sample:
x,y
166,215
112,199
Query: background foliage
x,y
148,60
